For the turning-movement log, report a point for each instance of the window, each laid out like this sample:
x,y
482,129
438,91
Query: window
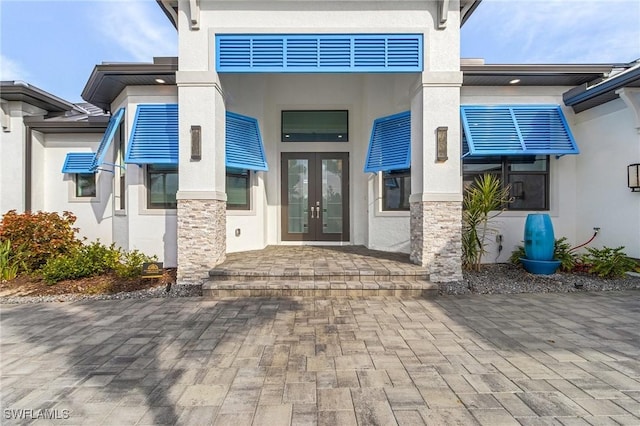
x,y
238,189
396,188
315,126
162,181
527,175
85,185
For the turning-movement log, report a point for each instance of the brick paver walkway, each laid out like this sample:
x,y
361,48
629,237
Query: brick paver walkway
x,y
566,359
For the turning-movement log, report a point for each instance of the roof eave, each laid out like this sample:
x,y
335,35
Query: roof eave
x,y
24,92
605,90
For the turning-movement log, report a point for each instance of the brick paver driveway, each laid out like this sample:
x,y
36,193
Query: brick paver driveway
x,y
571,359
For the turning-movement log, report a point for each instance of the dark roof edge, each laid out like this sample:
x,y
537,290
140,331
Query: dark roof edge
x,y
169,11
94,125
25,92
467,14
102,71
536,68
585,92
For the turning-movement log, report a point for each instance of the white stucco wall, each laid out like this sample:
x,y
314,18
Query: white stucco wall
x,y
12,154
562,175
54,191
609,143
151,231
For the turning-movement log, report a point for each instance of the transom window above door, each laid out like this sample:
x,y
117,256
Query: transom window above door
x,y
315,126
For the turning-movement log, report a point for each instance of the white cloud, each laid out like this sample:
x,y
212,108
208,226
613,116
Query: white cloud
x,y
558,31
12,70
133,26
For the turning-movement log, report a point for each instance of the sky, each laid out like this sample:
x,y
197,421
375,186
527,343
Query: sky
x,y
55,44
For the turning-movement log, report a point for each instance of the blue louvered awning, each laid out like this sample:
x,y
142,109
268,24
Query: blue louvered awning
x,y
515,130
243,143
319,53
390,144
107,138
154,135
79,162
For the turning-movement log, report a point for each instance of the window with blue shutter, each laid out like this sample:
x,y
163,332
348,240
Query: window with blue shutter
x,y
491,130
83,162
390,144
243,143
79,162
154,135
319,53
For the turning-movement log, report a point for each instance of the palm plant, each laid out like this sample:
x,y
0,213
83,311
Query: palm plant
x,y
483,200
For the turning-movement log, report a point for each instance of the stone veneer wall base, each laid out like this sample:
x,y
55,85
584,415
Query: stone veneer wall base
x,y
202,238
436,239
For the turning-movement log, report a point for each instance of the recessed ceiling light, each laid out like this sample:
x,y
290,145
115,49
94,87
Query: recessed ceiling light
x,y
160,81
515,81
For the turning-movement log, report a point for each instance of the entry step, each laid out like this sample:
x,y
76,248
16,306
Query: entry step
x,y
279,288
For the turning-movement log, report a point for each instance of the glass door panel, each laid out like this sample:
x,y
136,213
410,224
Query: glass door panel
x,y
298,196
331,196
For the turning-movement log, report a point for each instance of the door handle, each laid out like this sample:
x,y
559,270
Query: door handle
x,y
313,209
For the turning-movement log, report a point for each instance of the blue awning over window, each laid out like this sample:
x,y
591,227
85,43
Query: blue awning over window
x,y
107,138
154,135
319,53
243,144
515,130
79,162
390,144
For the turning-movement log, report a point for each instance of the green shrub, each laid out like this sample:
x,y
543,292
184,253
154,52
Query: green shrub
x,y
562,252
516,255
608,262
92,260
130,265
8,265
37,237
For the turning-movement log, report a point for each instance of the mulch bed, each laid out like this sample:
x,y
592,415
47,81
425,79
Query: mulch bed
x,y
103,284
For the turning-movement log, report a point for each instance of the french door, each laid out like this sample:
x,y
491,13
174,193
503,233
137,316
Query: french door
x,y
315,196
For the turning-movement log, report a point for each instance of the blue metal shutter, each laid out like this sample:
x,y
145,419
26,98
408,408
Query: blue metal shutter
x,y
319,53
154,135
243,144
516,130
114,122
390,144
79,162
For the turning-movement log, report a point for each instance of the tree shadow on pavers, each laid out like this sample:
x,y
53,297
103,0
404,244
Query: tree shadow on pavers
x,y
128,361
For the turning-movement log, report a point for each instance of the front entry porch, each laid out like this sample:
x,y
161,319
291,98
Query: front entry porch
x,y
318,271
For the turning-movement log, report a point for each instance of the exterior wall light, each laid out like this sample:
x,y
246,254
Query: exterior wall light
x,y
633,177
196,143
441,144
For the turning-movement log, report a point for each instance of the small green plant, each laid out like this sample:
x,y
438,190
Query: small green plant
x,y
92,260
608,262
516,255
130,265
562,252
8,265
483,200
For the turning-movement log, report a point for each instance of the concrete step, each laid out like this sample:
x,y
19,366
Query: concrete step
x,y
309,288
311,274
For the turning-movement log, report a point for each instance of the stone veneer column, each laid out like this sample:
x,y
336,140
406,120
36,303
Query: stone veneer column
x,y
202,238
201,197
436,238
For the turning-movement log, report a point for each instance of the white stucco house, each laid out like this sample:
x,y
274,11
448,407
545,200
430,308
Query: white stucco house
x,y
352,123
